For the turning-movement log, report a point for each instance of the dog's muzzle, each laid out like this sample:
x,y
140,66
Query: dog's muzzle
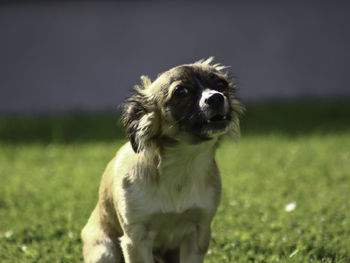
x,y
215,108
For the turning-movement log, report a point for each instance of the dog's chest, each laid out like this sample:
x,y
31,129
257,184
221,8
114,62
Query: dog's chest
x,y
178,191
182,186
176,210
170,207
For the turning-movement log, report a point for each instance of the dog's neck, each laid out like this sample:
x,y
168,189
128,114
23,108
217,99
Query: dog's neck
x,y
189,159
178,161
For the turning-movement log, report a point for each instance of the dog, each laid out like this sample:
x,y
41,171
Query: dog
x,y
159,194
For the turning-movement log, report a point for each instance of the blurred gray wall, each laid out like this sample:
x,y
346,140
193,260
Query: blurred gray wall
x,y
66,56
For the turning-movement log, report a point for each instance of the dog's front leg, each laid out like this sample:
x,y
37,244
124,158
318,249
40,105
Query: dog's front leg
x,y
195,245
136,250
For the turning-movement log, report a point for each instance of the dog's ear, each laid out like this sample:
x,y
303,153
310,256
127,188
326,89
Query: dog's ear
x,y
140,117
238,110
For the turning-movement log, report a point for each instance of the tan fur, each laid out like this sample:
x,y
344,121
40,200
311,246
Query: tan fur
x,y
159,194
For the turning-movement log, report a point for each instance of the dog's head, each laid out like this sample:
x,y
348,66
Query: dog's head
x,y
192,103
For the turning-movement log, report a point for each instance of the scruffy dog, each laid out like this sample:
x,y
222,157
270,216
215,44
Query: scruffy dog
x,y
159,194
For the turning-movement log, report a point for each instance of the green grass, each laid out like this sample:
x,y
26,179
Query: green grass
x,y
50,167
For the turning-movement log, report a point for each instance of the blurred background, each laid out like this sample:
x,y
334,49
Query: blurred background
x,y
63,56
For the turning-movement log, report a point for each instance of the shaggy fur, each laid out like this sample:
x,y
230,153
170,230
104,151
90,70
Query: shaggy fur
x,y
160,192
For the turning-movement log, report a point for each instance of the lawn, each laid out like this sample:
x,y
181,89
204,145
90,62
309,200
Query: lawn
x,y
286,184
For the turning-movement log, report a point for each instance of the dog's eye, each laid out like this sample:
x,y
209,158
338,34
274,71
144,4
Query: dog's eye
x,y
221,85
181,92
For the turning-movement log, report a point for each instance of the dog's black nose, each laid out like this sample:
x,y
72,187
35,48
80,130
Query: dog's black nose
x,y
215,100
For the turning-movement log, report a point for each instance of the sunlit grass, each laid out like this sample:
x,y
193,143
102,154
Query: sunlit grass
x,y
261,177
298,153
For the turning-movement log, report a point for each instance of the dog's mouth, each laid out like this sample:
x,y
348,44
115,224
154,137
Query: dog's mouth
x,y
205,127
217,118
216,123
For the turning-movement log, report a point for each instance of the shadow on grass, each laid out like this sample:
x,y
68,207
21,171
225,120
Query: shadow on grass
x,y
285,118
297,118
61,128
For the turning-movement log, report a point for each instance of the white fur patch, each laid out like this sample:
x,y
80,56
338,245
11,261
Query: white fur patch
x,y
181,185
